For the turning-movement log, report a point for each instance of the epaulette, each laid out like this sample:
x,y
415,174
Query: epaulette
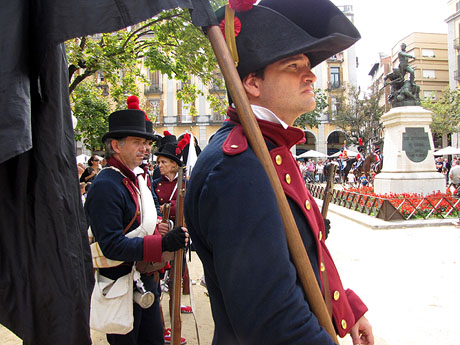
x,y
236,141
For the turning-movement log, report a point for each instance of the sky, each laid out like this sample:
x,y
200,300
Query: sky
x,y
382,23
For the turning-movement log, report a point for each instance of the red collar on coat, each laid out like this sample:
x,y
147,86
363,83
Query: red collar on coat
x,y
271,131
130,182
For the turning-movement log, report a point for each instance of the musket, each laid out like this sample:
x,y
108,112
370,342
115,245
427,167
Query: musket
x,y
254,136
177,268
330,168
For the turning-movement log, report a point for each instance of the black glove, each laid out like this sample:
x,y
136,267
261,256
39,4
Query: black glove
x,y
327,227
173,240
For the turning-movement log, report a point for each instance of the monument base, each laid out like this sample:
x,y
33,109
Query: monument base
x,y
410,182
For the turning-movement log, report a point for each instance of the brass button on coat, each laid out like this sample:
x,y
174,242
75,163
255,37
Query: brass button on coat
x,y
320,236
278,159
307,205
336,295
344,324
323,268
288,178
234,146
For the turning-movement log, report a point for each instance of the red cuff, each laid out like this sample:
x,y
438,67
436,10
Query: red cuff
x,y
152,248
357,306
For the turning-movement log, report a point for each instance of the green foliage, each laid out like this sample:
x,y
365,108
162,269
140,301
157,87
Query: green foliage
x,y
168,43
359,115
312,119
91,110
446,112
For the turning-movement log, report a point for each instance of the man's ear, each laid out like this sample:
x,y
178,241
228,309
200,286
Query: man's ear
x,y
116,145
251,84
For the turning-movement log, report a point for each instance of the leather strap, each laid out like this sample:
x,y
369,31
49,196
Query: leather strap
x,y
132,220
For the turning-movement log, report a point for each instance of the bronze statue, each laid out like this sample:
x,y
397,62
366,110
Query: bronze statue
x,y
403,92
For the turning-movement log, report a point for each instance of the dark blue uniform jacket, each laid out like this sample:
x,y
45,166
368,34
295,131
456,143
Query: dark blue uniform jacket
x,y
234,221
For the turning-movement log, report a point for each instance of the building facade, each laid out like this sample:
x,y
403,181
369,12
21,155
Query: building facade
x,y
430,64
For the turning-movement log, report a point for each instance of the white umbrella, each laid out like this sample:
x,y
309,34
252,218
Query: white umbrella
x,y
82,158
449,150
350,153
312,154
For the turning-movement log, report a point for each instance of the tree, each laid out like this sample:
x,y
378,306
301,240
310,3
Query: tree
x,y
312,119
168,43
359,116
446,113
91,110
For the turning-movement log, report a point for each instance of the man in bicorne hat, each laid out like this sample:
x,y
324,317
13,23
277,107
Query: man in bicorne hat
x,y
116,207
230,207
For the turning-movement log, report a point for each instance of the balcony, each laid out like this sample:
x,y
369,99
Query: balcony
x,y
153,89
334,85
336,58
178,120
457,75
457,43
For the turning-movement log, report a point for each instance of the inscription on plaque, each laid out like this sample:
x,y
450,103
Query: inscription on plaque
x,y
416,143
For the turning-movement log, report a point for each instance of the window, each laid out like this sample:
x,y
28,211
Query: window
x,y
458,6
156,106
428,53
334,77
100,77
429,73
427,94
183,110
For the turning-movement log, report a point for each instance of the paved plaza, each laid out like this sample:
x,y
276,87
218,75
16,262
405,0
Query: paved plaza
x,y
409,278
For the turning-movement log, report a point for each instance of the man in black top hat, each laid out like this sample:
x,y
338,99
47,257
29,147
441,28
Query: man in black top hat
x,y
117,204
230,208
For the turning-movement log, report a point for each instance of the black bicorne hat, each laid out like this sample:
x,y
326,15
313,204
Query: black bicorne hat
x,y
124,123
276,29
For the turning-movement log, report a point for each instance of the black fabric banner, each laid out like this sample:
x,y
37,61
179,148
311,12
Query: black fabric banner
x,y
46,276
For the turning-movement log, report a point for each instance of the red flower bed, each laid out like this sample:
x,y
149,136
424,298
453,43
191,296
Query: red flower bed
x,y
410,205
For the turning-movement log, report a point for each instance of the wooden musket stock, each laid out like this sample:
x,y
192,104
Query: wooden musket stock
x,y
254,135
330,168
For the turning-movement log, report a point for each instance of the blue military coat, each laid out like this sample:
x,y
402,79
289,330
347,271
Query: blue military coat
x,y
109,207
236,229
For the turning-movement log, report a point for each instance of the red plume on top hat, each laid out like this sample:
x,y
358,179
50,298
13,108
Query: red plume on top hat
x,y
184,142
166,133
360,141
133,103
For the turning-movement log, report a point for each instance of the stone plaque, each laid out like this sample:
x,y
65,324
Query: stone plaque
x,y
416,143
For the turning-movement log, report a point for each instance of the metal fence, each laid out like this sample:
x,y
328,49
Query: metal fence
x,y
393,208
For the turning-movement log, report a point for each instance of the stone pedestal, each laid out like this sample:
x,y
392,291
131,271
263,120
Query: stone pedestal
x,y
408,161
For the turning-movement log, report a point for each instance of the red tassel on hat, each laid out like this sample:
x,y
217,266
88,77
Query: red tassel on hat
x,y
133,103
241,5
166,133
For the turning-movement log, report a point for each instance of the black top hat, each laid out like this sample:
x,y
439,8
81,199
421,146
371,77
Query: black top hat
x,y
360,149
276,29
168,148
124,123
168,138
149,130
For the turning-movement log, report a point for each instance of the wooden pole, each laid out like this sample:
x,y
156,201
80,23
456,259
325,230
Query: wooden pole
x,y
176,325
255,138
